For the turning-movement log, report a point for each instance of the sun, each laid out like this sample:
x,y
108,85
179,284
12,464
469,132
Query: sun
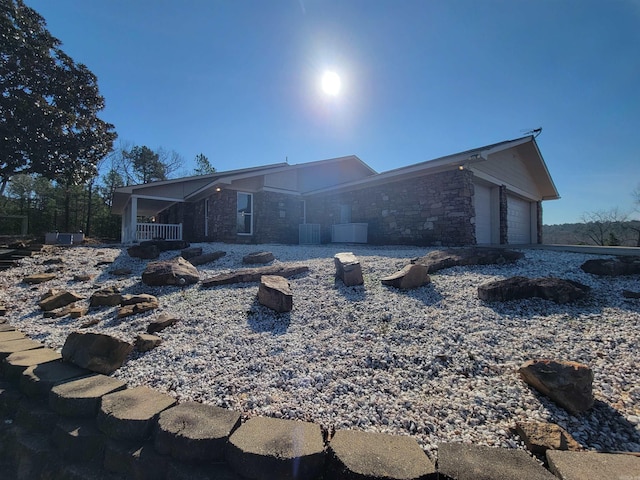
x,y
331,83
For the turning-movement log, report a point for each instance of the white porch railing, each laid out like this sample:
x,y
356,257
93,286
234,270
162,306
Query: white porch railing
x,y
166,231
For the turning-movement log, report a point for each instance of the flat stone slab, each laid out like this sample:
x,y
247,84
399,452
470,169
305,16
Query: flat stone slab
x,y
6,327
39,278
441,259
38,380
366,455
267,448
95,351
593,466
542,436
58,300
464,461
163,321
251,275
258,257
81,397
411,276
11,335
11,346
18,362
206,258
131,414
557,290
195,432
146,341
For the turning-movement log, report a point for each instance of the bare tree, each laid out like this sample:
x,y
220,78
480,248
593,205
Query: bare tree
x,y
604,227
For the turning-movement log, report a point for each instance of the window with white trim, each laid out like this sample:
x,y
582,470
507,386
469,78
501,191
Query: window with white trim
x,y
245,213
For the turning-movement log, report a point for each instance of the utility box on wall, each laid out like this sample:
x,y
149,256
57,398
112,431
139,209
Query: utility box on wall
x,y
349,233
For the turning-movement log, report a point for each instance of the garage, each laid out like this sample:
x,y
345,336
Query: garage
x,y
482,199
518,220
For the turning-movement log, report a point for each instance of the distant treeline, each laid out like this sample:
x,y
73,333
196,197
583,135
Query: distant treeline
x,y
616,233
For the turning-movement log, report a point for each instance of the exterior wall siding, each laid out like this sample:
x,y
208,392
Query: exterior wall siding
x,y
275,218
429,210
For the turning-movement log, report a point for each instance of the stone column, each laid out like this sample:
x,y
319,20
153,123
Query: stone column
x,y
504,231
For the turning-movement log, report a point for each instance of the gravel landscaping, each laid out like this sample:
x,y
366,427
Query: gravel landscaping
x,y
435,363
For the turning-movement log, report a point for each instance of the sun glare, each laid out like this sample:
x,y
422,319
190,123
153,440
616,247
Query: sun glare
x,y
331,83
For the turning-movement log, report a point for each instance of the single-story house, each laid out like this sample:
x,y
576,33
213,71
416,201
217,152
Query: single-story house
x,y
488,195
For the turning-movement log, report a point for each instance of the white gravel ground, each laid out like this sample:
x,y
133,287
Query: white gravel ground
x,y
435,363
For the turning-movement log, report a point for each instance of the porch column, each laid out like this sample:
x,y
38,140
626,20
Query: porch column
x,y
134,218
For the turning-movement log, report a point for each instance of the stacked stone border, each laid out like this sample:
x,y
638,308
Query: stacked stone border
x,y
63,422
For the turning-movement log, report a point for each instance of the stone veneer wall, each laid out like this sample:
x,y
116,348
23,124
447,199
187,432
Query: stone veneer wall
x,y
275,218
434,209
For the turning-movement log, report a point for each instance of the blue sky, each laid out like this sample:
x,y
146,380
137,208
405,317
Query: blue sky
x,y
240,82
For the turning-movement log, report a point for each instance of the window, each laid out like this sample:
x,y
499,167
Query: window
x,y
245,213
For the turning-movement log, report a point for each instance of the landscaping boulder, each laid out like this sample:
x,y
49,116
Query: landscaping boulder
x,y
145,342
569,384
39,278
348,269
411,276
542,436
107,297
146,252
612,266
253,274
95,351
441,259
58,300
516,288
138,307
206,258
274,292
163,321
258,257
176,271
187,253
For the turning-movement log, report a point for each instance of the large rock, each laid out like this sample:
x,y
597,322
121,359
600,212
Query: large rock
x,y
95,351
516,288
411,276
108,297
274,292
58,300
348,269
165,245
441,259
187,253
569,384
163,321
253,274
612,266
207,258
542,436
37,278
176,271
258,257
147,252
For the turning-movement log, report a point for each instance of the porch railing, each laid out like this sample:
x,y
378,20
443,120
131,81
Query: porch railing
x,y
166,231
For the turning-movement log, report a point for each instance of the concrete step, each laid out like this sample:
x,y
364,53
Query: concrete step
x,y
378,456
18,362
268,448
593,466
463,461
81,397
196,432
79,440
12,346
37,381
132,414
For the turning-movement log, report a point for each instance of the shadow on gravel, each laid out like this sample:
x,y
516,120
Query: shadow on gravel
x,y
264,320
613,432
426,294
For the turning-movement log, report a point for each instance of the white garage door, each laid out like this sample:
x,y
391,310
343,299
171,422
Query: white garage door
x,y
483,214
518,221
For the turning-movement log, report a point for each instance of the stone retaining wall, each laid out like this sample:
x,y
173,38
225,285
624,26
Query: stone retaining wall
x,y
62,422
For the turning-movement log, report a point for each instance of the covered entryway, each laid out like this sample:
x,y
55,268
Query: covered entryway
x,y
519,227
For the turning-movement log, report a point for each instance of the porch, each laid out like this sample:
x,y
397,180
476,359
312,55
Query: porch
x,y
144,207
